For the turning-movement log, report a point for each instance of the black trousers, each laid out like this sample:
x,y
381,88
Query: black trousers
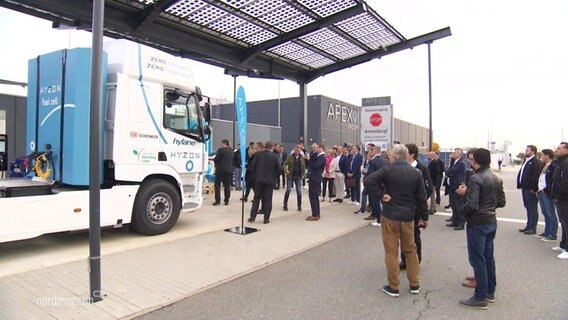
x,y
456,204
262,192
225,178
314,189
418,242
562,211
438,196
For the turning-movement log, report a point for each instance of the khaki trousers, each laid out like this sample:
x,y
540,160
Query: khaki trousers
x,y
339,184
394,231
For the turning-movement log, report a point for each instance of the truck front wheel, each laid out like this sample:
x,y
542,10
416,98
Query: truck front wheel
x,y
156,208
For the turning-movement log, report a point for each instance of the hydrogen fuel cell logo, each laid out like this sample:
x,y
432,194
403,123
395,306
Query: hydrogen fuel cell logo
x,y
189,165
375,119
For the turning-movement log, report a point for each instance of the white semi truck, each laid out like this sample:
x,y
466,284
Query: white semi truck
x,y
154,132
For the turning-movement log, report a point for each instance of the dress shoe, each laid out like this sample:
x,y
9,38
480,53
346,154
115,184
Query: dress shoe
x,y
447,207
251,220
449,220
266,221
459,227
216,203
243,199
469,283
299,208
453,224
530,231
285,208
371,217
226,202
357,212
470,278
523,229
313,218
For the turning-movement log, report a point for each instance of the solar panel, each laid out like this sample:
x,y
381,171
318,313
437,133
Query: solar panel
x,y
254,22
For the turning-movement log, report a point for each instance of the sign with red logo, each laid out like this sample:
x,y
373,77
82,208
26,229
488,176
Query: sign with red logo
x,y
378,128
375,119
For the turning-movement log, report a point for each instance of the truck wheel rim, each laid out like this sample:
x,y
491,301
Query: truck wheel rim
x,y
159,208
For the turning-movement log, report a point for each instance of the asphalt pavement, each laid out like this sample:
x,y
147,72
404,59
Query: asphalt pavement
x,y
341,279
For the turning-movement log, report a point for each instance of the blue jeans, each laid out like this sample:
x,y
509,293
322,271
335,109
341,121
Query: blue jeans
x,y
298,182
480,251
238,178
530,201
549,213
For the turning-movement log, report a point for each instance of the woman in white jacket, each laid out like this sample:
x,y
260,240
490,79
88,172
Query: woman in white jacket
x,y
329,175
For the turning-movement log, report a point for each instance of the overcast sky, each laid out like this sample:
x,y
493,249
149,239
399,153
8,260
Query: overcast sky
x,y
502,75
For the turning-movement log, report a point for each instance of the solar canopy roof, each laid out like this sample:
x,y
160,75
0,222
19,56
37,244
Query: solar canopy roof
x,y
298,40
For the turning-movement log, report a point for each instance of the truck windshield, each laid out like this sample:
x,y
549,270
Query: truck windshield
x,y
182,115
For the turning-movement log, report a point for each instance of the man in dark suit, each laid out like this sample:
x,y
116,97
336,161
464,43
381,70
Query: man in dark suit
x,y
527,181
428,186
355,172
223,171
375,163
266,169
456,177
316,164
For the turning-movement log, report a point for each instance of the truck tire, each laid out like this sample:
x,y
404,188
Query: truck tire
x,y
156,208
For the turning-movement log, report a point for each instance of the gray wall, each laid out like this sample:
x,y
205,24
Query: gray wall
x,y
406,132
331,129
15,108
223,129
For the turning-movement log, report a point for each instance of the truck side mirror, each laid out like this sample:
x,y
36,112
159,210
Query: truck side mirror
x,y
206,133
207,112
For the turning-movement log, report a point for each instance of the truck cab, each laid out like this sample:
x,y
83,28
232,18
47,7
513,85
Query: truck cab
x,y
154,129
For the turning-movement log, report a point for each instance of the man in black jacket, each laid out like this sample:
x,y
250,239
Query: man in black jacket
x,y
316,164
527,181
266,169
436,167
404,193
559,193
483,194
223,171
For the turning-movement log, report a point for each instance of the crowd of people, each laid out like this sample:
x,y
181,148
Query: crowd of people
x,y
396,188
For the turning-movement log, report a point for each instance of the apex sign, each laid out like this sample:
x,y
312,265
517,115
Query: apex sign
x,y
343,113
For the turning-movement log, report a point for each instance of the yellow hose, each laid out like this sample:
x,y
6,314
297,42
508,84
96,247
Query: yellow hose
x,y
38,167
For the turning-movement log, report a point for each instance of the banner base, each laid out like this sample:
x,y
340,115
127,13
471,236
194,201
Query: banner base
x,y
242,230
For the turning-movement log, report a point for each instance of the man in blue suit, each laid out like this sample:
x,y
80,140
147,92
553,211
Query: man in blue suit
x,y
316,164
456,177
527,181
355,172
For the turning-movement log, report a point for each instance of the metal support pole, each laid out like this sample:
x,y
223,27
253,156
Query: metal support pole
x,y
94,151
234,109
431,134
304,108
